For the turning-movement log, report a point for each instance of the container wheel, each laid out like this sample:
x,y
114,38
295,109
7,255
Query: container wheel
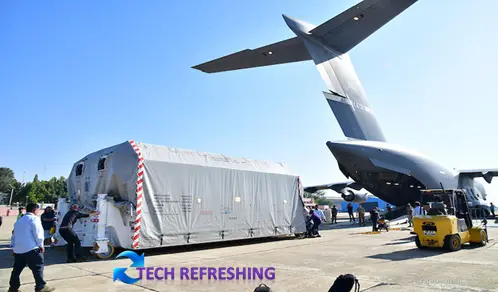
x,y
484,237
454,242
108,254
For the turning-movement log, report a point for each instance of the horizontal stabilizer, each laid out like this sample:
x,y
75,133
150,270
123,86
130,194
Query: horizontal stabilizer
x,y
291,50
487,174
354,25
337,187
327,45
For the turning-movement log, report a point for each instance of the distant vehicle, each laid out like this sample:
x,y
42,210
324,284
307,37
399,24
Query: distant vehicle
x,y
391,172
383,223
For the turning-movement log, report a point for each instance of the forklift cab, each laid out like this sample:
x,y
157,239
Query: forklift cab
x,y
447,202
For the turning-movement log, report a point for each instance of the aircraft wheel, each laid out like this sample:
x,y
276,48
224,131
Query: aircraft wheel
x,y
108,254
454,242
484,237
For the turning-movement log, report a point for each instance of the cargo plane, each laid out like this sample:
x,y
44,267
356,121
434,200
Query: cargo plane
x,y
391,172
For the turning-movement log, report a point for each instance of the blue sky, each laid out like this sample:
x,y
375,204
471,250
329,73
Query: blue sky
x,y
79,76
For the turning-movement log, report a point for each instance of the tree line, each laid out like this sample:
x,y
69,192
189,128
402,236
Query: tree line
x,y
36,191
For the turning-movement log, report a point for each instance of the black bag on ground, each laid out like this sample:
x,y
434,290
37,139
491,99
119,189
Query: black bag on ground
x,y
345,283
262,288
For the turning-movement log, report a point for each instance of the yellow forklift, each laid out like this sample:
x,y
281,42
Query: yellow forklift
x,y
447,222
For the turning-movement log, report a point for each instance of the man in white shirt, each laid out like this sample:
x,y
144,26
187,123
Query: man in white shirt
x,y
418,210
27,245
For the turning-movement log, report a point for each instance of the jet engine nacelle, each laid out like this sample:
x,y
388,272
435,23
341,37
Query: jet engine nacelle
x,y
351,196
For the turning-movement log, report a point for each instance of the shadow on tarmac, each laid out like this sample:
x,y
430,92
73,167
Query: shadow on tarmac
x,y
342,225
405,240
403,255
57,255
415,253
398,242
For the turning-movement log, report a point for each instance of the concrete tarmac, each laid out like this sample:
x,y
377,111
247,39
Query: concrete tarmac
x,y
388,261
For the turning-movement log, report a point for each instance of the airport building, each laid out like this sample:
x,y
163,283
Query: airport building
x,y
368,205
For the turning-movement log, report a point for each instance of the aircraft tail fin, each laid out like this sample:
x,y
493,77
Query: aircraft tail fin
x,y
356,120
346,96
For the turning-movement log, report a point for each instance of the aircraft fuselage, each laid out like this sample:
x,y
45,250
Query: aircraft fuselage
x,y
396,174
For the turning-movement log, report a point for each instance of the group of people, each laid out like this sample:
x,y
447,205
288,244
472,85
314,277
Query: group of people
x,y
361,214
413,211
315,217
28,242
360,210
374,215
48,219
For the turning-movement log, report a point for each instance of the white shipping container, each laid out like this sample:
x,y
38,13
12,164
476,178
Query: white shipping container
x,y
152,196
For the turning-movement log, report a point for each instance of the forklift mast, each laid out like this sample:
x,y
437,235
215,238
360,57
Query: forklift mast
x,y
462,207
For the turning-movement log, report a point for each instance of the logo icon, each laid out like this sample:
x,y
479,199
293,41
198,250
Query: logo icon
x,y
120,273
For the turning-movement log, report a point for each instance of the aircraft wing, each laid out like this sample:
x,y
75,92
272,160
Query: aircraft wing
x,y
487,174
338,187
351,27
290,50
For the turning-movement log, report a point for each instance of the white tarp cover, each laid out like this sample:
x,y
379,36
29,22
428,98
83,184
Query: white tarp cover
x,y
193,197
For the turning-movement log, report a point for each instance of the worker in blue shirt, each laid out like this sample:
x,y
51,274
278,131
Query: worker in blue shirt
x,y
27,245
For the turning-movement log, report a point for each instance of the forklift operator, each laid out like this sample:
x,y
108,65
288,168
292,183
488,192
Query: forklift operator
x,y
437,208
66,231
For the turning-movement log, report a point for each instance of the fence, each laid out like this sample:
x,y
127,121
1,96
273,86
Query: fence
x,y
6,211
